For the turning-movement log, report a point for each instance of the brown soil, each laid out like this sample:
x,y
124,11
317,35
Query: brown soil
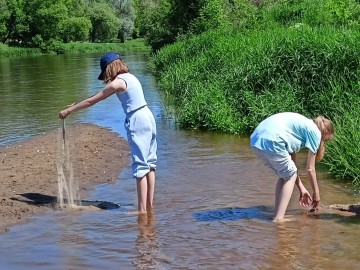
x,y
28,172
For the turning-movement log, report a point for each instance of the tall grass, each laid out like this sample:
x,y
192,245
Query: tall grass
x,y
83,47
342,153
257,74
7,51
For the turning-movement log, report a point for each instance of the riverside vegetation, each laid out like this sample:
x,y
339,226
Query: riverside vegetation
x,y
77,47
296,56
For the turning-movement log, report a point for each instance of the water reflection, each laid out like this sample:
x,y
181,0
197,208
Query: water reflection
x,y
148,246
33,89
146,242
298,245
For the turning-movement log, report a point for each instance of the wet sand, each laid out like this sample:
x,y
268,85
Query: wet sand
x,y
28,172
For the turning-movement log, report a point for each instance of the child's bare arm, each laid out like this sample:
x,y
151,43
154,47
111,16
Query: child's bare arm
x,y
310,168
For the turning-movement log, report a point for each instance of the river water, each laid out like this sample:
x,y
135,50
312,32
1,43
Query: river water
x,y
213,201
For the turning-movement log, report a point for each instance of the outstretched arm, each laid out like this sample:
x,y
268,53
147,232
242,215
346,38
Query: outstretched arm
x,y
109,89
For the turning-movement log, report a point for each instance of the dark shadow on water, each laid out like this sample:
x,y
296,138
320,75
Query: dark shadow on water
x,y
266,213
52,201
36,199
345,219
235,213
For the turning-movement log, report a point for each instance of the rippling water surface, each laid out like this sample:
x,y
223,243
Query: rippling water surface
x,y
214,200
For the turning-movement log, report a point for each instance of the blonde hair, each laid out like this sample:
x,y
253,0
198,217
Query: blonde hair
x,y
326,128
113,69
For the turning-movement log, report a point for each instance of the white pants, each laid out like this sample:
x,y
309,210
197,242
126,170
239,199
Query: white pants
x,y
141,131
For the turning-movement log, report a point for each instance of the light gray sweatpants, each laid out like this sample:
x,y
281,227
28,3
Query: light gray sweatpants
x,y
141,131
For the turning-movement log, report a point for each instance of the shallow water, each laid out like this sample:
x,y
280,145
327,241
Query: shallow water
x,y
213,203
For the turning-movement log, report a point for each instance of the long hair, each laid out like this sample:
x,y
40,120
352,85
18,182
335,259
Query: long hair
x,y
326,128
113,69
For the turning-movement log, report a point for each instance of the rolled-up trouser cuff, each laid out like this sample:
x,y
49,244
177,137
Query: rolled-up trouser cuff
x,y
141,171
281,164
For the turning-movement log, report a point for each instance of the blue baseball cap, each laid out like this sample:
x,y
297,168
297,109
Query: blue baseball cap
x,y
105,60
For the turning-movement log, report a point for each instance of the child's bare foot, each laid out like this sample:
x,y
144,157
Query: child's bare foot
x,y
284,219
135,213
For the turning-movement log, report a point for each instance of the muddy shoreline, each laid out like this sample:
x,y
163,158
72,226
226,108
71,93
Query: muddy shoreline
x,y
28,172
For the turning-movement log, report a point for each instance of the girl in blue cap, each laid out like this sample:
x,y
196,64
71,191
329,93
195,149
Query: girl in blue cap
x,y
139,123
277,139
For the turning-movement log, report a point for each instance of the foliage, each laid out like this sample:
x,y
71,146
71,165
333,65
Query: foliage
x,y
126,12
298,55
346,12
313,13
12,21
75,47
75,29
242,14
105,24
40,13
135,44
6,51
261,73
45,23
153,21
211,16
341,156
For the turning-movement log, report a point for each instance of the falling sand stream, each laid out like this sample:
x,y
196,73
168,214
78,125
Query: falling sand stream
x,y
67,184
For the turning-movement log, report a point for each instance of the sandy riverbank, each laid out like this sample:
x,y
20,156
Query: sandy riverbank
x,y
28,169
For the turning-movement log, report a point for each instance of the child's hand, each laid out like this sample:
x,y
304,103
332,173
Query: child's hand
x,y
305,199
64,113
315,200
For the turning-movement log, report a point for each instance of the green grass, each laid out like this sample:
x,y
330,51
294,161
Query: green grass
x,y
136,44
73,48
7,51
343,154
258,74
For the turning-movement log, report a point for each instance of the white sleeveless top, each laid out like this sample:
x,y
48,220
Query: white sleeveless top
x,y
133,97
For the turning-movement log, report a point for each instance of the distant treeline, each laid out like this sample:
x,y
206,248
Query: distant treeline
x,y
46,24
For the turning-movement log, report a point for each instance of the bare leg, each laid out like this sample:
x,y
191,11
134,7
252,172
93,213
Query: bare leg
x,y
279,186
151,188
142,190
284,190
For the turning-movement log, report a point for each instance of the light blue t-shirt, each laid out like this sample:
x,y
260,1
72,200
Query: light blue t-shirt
x,y
286,132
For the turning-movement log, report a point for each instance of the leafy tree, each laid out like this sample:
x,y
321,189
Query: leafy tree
x,y
212,15
126,12
12,21
44,18
156,26
143,11
105,23
4,18
75,29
